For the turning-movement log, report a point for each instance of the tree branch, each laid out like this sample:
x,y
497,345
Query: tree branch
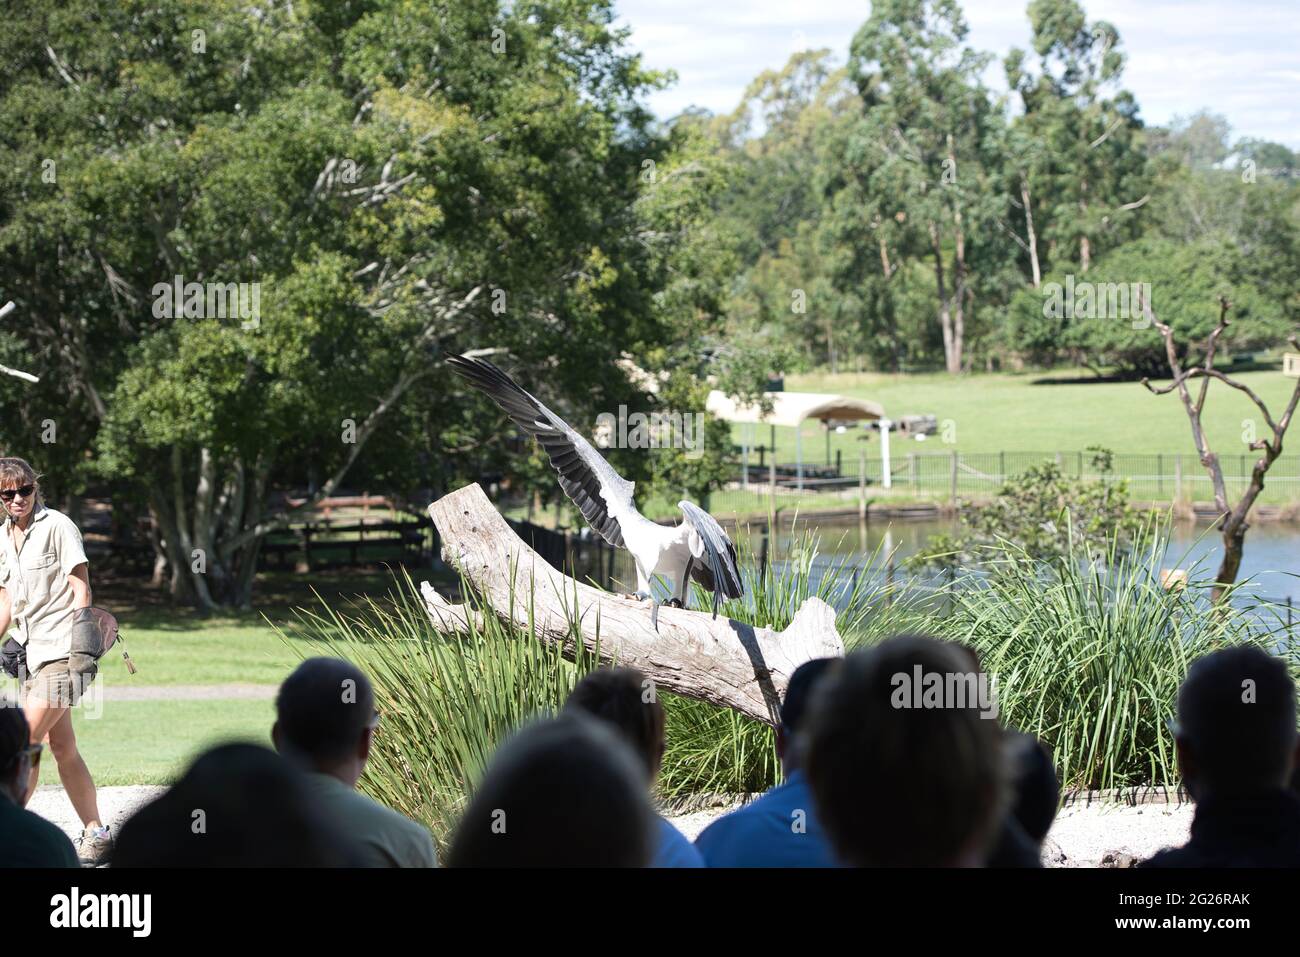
x,y
7,308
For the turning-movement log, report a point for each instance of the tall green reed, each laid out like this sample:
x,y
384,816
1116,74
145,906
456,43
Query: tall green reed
x,y
1088,653
446,701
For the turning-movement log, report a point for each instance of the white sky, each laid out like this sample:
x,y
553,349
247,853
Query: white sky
x,y
1241,59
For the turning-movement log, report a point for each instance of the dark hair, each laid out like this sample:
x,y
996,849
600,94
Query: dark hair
x,y
238,805
901,785
626,700
561,793
1237,715
1035,792
323,708
799,691
15,736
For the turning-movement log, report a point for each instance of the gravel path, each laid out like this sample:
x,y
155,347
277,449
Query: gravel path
x,y
247,692
116,804
1084,835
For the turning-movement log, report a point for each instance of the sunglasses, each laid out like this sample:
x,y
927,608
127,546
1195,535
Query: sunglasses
x,y
25,491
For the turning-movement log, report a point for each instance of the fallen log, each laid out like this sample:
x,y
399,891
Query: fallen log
x,y
721,661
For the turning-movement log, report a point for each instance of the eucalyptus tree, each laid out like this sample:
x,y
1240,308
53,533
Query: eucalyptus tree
x,y
1076,148
922,153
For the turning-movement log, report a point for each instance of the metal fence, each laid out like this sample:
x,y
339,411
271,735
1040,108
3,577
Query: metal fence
x,y
952,475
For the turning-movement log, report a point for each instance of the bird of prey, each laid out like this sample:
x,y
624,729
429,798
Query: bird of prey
x,y
696,549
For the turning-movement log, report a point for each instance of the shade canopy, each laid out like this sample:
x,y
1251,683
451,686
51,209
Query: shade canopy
x,y
792,408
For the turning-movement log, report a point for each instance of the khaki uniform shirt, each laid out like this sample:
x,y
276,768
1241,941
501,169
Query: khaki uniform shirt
x,y
35,574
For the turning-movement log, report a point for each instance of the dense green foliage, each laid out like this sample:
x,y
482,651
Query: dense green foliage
x,y
399,182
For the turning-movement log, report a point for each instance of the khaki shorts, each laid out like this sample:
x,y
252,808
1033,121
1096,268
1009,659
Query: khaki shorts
x,y
57,687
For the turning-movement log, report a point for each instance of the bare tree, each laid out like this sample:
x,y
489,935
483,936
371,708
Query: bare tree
x,y
1232,518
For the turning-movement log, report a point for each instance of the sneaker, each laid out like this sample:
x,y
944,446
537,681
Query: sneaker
x,y
94,846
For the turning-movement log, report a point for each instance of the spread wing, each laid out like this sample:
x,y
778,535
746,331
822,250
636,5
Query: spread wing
x,y
600,493
718,571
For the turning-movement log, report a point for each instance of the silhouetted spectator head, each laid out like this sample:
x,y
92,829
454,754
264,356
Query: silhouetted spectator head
x,y
904,774
1236,728
15,745
561,793
238,805
1035,793
628,701
325,717
794,707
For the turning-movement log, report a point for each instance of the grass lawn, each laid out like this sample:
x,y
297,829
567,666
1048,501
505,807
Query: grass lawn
x,y
192,651
983,415
175,646
1012,413
1034,412
151,742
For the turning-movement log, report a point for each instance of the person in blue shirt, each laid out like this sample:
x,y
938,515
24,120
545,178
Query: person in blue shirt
x,y
626,699
779,829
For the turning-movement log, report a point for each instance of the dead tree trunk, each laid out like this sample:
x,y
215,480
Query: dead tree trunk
x,y
721,661
952,357
1232,518
1032,244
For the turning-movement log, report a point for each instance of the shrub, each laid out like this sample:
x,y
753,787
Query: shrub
x,y
1088,655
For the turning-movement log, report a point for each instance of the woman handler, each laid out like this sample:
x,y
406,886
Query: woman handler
x,y
45,595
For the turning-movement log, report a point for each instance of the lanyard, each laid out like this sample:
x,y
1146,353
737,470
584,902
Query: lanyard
x,y
11,555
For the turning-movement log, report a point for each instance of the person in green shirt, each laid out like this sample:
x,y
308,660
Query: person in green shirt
x,y
26,839
325,722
